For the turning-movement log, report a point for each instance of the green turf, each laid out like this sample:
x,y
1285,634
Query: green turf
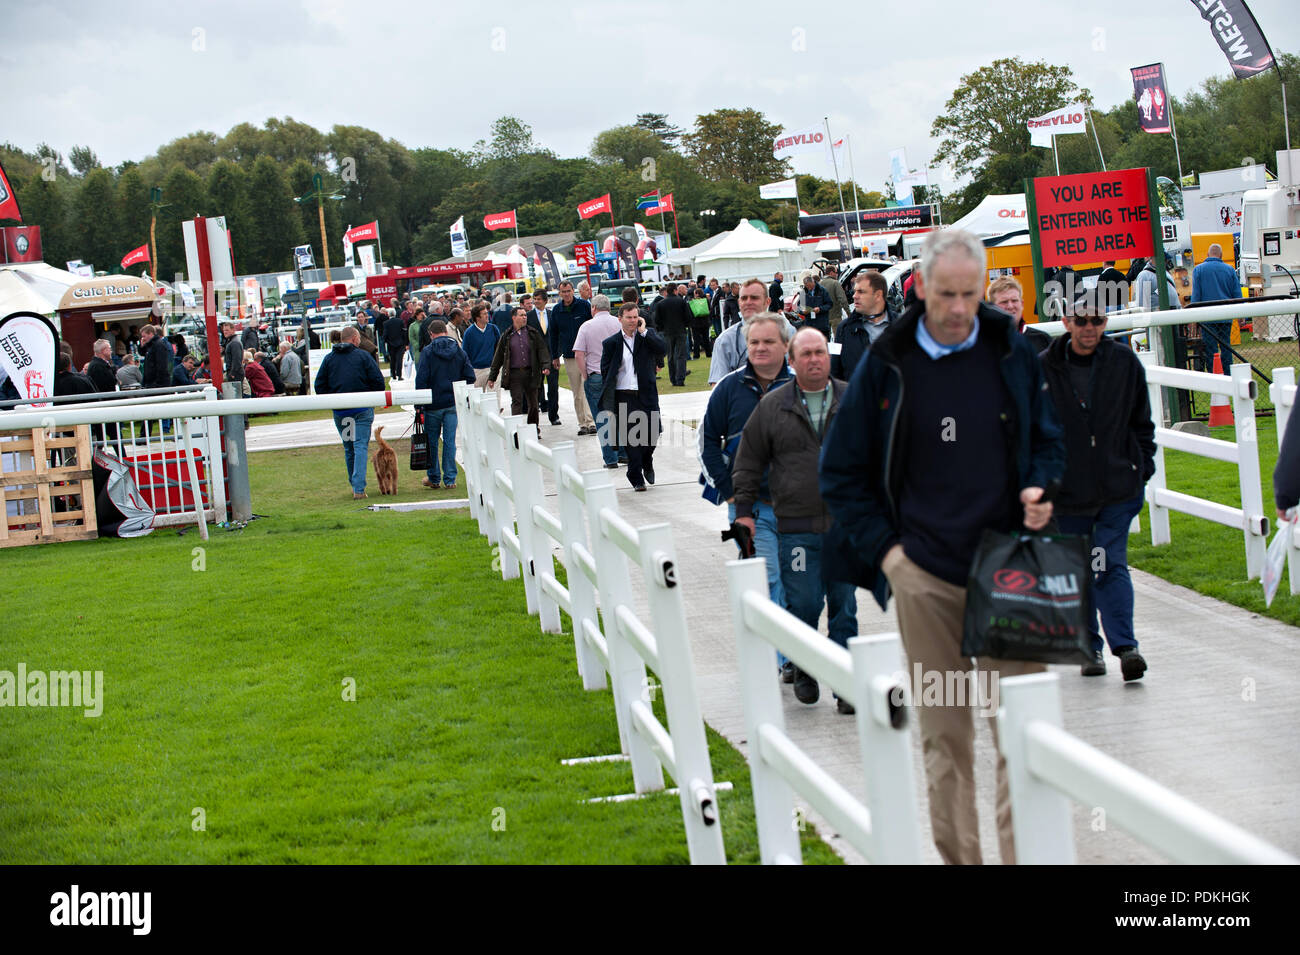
x,y
225,666
1210,558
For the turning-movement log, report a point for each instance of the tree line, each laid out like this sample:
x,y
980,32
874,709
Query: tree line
x,y
253,174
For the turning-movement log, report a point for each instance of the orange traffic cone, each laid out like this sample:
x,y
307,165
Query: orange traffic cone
x,y
1220,406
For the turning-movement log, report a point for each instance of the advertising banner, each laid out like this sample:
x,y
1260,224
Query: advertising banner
x,y
22,243
499,220
363,233
896,217
785,189
1093,217
549,268
1067,119
459,241
27,347
136,255
791,142
1238,36
1152,98
595,206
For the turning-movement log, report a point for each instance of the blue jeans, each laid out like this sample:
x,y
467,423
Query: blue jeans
x,y
442,422
1214,337
1112,592
765,546
355,452
806,591
605,424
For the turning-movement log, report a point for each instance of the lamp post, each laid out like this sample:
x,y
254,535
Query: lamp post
x,y
318,193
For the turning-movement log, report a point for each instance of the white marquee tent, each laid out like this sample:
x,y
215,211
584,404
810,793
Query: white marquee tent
x,y
33,287
995,215
747,251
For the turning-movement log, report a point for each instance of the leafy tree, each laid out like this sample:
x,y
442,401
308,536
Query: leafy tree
x,y
633,147
185,197
42,204
510,138
133,210
97,234
735,144
276,227
195,151
83,159
300,183
983,131
658,124
228,196
243,144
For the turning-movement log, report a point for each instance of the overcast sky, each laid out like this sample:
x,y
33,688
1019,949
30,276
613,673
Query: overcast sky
x,y
128,76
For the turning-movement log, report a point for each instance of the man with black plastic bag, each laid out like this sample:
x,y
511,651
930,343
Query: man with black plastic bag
x,y
1100,391
947,429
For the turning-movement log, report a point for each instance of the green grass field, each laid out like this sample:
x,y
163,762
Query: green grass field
x,y
227,668
1210,558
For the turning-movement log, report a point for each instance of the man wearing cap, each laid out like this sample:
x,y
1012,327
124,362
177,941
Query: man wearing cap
x,y
1100,391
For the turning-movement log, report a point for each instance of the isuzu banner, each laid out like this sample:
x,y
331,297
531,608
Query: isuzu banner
x,y
363,233
499,220
595,206
136,255
1238,36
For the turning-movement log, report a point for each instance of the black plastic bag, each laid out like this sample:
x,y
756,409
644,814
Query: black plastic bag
x,y
1029,598
419,444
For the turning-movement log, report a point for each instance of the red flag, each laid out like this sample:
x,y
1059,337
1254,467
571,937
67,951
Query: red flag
x,y
8,201
500,220
362,233
594,206
136,255
665,205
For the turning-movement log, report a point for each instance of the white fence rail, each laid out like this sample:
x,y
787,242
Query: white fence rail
x,y
1283,393
1047,767
867,674
504,465
1250,518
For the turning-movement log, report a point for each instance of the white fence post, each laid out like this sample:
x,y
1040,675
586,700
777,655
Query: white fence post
x,y
760,695
626,669
1283,393
1159,514
1256,521
884,703
481,406
465,436
216,463
582,591
520,479
528,499
1040,814
502,504
681,699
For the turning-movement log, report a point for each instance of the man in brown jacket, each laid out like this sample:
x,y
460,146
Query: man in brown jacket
x,y
521,359
784,434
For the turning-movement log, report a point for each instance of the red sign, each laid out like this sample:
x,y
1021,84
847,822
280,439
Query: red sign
x,y
1093,217
584,254
499,220
363,233
21,243
594,206
380,288
136,255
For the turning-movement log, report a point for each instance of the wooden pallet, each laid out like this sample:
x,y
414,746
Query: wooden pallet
x,y
52,468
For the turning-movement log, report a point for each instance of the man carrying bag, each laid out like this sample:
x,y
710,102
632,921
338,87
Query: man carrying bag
x,y
946,430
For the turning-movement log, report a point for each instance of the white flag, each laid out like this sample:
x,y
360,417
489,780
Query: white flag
x,y
459,243
1067,119
790,142
785,189
347,250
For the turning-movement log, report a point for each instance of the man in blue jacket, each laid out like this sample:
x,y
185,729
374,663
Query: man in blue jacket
x,y
345,369
480,343
441,363
947,429
566,317
1214,280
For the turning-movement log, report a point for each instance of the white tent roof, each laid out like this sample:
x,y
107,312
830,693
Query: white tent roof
x,y
747,242
687,255
33,287
995,215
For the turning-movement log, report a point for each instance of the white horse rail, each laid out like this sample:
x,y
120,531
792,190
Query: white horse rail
x,y
588,506
1250,518
886,829
1047,767
1283,393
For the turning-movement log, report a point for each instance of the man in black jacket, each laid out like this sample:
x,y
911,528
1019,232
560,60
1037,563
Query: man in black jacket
x,y
627,368
673,317
349,368
867,322
776,295
946,430
100,370
1100,391
156,352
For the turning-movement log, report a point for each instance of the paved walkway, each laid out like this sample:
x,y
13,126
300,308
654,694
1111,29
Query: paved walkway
x,y
1216,719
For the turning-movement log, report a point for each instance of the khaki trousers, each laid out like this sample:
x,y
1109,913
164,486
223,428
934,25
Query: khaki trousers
x,y
481,377
579,395
930,616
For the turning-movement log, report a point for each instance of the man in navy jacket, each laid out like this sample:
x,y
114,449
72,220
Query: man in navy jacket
x,y
1214,280
627,369
947,429
566,317
442,363
349,368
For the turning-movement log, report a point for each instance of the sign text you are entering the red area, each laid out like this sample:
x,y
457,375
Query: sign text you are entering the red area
x,y
1093,216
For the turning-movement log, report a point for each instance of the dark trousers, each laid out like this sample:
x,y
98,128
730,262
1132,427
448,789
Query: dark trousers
x,y
548,394
679,348
522,398
395,355
638,431
1214,338
700,341
1112,592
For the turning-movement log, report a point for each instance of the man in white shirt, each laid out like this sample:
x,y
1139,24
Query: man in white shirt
x,y
586,353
